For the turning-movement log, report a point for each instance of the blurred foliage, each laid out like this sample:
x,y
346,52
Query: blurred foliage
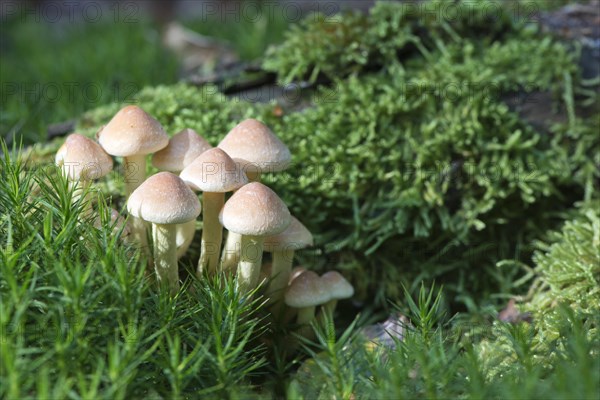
x,y
51,73
251,26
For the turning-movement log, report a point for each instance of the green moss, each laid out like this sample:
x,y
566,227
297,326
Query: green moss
x,y
569,268
563,295
349,43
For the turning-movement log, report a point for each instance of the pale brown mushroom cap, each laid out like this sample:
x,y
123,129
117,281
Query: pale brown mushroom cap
x,y
82,158
131,132
164,199
214,171
336,285
294,237
252,144
296,271
255,210
183,148
306,291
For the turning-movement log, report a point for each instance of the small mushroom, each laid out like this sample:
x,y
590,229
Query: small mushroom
x,y
183,148
305,293
82,160
132,134
214,173
165,201
256,149
338,288
254,211
283,246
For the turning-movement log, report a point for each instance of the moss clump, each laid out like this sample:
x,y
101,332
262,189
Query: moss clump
x,y
569,268
419,169
352,42
563,295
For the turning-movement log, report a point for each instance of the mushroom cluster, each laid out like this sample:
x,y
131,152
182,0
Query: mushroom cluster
x,y
255,218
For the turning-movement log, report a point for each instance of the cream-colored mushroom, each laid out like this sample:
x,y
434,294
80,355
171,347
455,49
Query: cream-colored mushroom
x,y
183,148
257,150
82,160
132,134
254,211
214,173
165,201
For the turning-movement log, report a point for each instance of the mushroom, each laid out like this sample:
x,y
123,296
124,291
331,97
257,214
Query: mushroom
x,y
164,200
283,245
214,173
338,288
254,211
183,148
82,160
254,146
305,293
132,134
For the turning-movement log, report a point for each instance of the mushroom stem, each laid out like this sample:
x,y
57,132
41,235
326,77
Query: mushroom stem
x,y
212,232
185,236
165,255
233,243
231,251
329,307
134,172
281,270
134,175
305,315
304,318
250,261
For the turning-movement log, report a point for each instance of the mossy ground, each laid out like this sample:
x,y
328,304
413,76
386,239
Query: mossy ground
x,y
409,167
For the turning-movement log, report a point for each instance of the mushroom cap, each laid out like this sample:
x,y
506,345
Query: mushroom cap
x,y
131,132
306,290
336,285
296,271
256,148
255,210
183,148
82,158
295,237
164,199
214,171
